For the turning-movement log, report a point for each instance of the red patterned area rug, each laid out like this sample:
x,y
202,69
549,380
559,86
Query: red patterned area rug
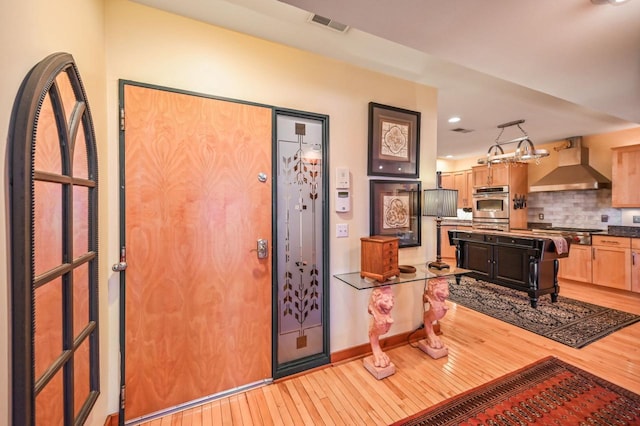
x,y
547,392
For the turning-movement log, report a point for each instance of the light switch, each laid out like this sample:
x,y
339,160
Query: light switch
x,y
342,230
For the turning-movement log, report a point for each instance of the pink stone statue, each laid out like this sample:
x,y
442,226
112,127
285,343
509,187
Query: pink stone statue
x,y
380,306
436,294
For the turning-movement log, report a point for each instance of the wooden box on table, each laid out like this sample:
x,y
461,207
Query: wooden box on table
x,y
379,257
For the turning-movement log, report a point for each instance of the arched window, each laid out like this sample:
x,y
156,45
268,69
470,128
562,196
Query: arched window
x,y
54,248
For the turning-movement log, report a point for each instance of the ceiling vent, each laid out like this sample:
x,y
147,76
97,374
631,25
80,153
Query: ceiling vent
x,y
461,130
329,23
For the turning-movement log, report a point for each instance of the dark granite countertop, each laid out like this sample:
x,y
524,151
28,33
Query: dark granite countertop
x,y
623,231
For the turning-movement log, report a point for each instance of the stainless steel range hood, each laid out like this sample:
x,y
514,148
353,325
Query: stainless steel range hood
x,y
573,172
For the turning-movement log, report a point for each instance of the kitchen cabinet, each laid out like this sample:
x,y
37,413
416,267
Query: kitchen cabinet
x,y
625,175
462,181
494,175
447,250
446,180
511,174
635,265
611,261
577,267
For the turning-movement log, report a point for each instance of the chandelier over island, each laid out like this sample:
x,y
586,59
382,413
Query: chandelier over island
x,y
525,150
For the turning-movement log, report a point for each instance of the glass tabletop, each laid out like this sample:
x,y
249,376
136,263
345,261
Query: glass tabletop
x,y
422,273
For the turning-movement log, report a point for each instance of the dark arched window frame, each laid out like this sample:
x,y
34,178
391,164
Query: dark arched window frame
x,y
39,86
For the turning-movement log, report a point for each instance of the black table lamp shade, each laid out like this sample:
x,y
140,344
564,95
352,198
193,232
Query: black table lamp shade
x,y
440,203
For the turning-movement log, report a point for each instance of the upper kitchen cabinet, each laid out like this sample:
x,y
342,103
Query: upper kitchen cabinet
x,y
625,175
494,175
514,175
462,181
446,180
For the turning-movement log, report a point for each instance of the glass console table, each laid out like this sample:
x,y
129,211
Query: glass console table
x,y
381,303
422,273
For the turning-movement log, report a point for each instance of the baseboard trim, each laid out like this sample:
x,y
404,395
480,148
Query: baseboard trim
x,y
391,342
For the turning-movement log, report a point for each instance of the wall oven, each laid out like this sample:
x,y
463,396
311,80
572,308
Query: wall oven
x,y
491,207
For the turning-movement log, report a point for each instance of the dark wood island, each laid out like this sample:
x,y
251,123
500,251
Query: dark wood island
x,y
523,262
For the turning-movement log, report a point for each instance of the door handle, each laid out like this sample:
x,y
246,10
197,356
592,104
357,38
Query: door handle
x,y
262,248
122,265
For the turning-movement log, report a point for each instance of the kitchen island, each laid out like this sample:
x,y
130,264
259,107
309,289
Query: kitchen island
x,y
520,261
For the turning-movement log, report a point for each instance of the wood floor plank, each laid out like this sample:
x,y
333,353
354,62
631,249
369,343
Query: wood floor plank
x,y
301,402
206,415
318,396
307,396
187,417
286,403
343,387
367,385
216,412
481,348
225,407
337,399
278,415
258,407
287,417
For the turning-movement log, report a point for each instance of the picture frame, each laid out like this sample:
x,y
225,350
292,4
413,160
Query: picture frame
x,y
394,141
395,210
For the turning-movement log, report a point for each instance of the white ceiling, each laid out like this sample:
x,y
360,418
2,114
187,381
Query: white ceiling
x,y
569,68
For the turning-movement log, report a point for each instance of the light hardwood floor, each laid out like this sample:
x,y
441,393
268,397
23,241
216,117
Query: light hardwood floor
x,y
480,349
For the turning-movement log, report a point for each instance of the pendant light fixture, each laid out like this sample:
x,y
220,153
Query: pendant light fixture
x,y
525,150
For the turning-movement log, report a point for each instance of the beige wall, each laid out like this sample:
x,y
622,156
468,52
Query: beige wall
x,y
30,30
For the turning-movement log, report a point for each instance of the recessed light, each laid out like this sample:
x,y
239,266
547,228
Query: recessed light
x,y
448,156
454,119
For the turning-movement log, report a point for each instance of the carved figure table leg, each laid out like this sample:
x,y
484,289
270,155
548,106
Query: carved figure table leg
x,y
380,306
436,294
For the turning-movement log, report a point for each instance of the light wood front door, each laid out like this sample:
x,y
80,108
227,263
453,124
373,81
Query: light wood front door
x,y
198,298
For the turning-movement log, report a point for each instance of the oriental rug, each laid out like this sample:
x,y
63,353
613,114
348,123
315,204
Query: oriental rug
x,y
568,321
547,392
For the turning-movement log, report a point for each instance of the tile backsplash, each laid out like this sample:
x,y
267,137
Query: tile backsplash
x,y
578,209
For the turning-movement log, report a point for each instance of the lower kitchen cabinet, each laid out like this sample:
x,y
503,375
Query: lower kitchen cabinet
x,y
611,261
576,267
635,265
447,251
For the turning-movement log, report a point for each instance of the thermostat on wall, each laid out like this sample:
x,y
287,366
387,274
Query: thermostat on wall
x,y
343,200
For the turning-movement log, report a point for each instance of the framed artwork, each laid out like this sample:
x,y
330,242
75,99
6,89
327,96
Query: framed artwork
x,y
396,210
394,141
